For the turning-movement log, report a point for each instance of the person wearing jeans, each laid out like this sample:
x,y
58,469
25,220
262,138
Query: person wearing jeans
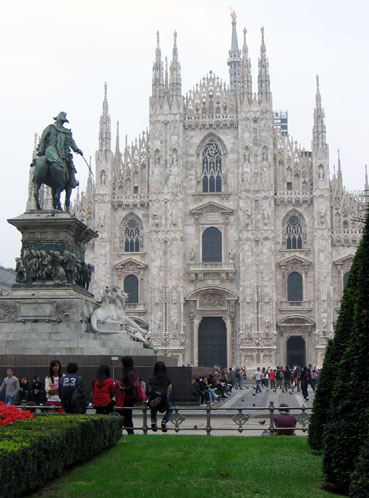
x,y
11,387
160,396
257,377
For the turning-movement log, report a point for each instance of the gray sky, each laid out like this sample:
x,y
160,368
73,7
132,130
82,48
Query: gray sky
x,y
57,55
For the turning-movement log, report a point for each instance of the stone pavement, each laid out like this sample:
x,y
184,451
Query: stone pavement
x,y
221,414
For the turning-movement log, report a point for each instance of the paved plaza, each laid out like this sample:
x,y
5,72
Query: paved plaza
x,y
256,406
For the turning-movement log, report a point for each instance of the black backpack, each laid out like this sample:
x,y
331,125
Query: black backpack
x,y
77,403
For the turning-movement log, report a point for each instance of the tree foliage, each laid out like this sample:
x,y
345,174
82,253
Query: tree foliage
x,y
359,486
347,423
333,356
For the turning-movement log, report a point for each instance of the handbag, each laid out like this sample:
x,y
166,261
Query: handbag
x,y
120,396
140,393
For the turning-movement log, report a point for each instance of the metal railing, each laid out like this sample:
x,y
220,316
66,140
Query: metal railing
x,y
198,419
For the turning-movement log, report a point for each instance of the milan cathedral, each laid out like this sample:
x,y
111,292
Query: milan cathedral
x,y
233,242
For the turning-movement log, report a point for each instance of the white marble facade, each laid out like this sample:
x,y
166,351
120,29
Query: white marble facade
x,y
283,231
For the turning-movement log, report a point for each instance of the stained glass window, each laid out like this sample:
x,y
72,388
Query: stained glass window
x,y
212,245
131,236
294,233
131,288
294,285
212,168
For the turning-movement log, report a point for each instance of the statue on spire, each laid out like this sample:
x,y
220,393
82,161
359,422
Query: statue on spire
x,y
234,16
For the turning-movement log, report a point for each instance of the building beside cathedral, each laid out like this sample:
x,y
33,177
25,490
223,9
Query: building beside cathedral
x,y
233,242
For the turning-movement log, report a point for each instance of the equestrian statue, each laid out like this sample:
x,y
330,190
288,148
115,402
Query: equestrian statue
x,y
54,165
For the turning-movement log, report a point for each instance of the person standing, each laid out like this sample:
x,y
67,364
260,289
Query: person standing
x,y
11,387
313,379
287,379
68,384
128,387
305,380
279,378
160,395
52,385
272,380
257,377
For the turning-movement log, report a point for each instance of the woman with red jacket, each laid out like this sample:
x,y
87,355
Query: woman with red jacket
x,y
103,391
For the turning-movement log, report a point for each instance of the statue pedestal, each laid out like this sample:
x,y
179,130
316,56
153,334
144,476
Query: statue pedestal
x,y
47,312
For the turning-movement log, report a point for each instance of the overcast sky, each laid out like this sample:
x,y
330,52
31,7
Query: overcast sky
x,y
56,56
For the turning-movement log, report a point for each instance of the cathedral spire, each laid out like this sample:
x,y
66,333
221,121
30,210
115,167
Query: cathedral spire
x,y
117,150
263,77
366,179
319,132
175,71
339,170
90,184
157,72
245,76
166,75
105,125
234,59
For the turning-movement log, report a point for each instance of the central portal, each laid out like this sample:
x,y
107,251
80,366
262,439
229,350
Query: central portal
x,y
296,351
212,342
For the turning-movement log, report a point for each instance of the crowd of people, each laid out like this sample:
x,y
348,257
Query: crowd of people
x,y
287,379
67,393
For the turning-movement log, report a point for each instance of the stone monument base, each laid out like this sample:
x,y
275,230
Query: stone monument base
x,y
52,320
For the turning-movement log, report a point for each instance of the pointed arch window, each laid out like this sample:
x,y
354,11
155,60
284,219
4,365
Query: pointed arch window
x,y
294,286
212,168
294,233
212,245
131,236
131,288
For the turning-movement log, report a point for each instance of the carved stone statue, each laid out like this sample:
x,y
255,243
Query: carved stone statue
x,y
112,311
54,166
20,270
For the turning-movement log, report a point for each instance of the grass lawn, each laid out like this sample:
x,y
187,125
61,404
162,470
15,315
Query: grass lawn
x,y
197,466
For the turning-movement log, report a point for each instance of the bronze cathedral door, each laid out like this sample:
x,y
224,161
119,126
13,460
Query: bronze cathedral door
x,y
212,342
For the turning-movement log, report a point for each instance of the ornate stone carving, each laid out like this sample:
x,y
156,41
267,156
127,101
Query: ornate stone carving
x,y
212,299
112,317
8,311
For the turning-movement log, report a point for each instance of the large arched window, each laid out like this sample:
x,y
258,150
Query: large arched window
x,y
131,288
294,286
294,233
131,236
212,245
212,168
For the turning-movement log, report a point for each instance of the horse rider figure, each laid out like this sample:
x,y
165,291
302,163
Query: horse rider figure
x,y
55,143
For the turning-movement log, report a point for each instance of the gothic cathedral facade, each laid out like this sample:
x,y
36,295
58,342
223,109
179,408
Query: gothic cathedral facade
x,y
233,242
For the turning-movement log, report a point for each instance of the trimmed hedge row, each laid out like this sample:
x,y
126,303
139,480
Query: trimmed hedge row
x,y
36,450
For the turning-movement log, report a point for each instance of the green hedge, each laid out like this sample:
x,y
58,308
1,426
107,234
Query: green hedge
x,y
36,450
359,485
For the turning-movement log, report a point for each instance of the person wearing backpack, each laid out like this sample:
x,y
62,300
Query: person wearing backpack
x,y
71,391
160,396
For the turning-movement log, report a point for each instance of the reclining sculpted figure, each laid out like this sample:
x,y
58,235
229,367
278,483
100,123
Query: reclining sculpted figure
x,y
112,310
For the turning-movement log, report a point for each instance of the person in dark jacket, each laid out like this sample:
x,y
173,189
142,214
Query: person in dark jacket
x,y
128,387
160,389
37,396
305,381
68,384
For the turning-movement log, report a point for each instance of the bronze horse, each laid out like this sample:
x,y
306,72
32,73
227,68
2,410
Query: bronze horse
x,y
53,172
